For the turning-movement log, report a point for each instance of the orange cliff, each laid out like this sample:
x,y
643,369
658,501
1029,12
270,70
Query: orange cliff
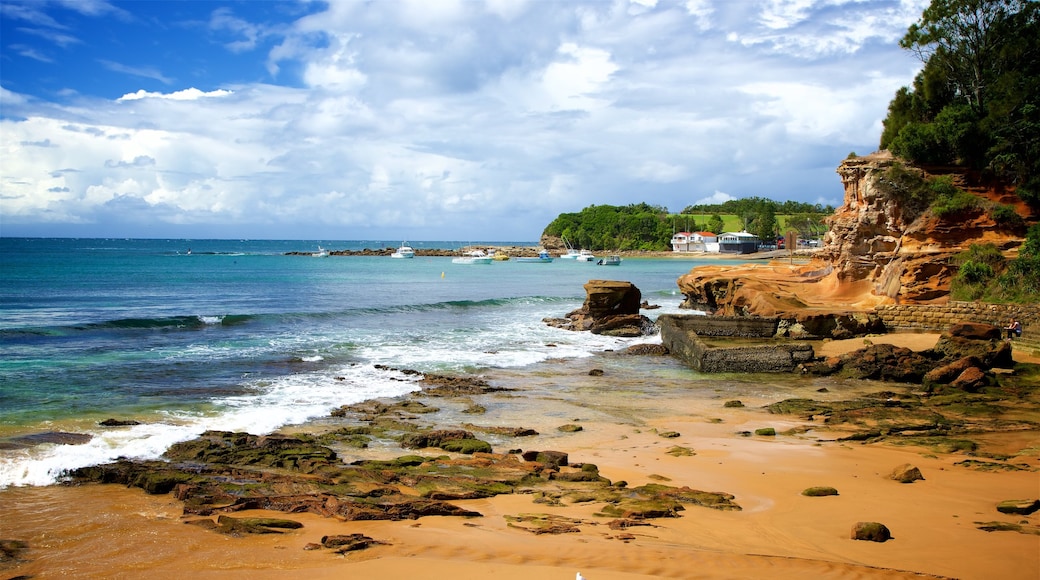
x,y
878,251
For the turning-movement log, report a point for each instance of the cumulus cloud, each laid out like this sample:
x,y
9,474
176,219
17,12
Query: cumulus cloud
x,y
465,119
190,94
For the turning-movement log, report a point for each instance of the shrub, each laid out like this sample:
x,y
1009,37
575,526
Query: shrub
x,y
1006,216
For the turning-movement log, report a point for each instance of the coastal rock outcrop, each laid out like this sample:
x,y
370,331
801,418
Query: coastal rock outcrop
x,y
881,248
611,307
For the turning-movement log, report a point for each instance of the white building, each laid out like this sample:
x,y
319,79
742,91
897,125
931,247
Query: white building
x,y
695,242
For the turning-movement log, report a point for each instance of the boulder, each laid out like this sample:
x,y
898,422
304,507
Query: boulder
x,y
1022,507
945,374
611,308
974,331
871,532
990,352
887,363
971,380
906,473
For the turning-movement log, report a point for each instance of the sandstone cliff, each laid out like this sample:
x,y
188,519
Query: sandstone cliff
x,y
880,249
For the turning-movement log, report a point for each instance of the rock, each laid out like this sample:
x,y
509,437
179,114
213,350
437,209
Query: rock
x,y
238,526
348,542
454,440
596,373
12,550
610,308
971,380
871,531
118,422
991,353
819,491
886,362
906,473
1022,507
945,374
974,331
734,404
554,459
647,350
569,428
766,432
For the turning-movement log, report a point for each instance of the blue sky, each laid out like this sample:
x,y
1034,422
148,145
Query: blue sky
x,y
427,119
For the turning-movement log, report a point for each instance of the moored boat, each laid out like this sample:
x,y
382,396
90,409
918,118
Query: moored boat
x,y
543,257
472,257
321,253
585,256
610,261
405,251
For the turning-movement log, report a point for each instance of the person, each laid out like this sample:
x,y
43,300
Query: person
x,y
1014,328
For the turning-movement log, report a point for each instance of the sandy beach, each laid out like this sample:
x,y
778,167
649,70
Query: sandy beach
x,y
96,531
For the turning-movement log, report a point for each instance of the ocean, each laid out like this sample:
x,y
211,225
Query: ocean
x,y
188,335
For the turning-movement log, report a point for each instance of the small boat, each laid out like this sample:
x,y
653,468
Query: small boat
x,y
543,257
403,252
610,261
472,257
571,253
585,256
321,253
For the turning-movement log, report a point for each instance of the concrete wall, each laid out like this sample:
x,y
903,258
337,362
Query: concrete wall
x,y
679,335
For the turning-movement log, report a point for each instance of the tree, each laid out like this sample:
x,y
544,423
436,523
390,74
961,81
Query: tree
x,y
956,35
976,101
715,225
765,225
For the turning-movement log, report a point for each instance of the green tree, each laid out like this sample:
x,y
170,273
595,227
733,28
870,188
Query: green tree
x,y
715,225
976,101
765,225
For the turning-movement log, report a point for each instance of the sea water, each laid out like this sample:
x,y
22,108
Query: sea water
x,y
188,335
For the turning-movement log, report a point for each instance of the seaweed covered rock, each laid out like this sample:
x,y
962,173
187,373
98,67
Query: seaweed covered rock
x,y
871,532
906,473
981,341
454,440
886,362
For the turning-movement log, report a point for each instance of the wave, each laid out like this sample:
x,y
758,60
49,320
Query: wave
x,y
266,406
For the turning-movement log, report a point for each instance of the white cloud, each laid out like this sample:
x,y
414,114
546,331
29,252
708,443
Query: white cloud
x,y
185,95
469,120
716,198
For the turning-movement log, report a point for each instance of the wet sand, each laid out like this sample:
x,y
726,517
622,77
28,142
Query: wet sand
x,y
113,532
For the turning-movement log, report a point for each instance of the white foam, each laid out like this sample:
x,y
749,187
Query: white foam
x,y
288,400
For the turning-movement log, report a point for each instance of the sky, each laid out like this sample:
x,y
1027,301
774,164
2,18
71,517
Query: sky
x,y
427,119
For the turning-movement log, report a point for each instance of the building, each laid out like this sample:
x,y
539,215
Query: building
x,y
738,243
695,242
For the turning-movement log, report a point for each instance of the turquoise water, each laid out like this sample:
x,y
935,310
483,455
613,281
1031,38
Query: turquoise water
x,y
239,335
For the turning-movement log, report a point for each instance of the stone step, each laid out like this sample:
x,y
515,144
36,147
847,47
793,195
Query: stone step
x,y
1030,345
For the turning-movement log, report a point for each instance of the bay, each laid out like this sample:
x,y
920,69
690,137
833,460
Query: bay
x,y
241,335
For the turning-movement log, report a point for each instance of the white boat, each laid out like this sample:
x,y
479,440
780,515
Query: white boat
x,y
610,261
321,253
543,257
403,252
472,257
585,256
571,253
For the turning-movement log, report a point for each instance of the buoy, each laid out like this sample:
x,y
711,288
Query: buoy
x,y
442,274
